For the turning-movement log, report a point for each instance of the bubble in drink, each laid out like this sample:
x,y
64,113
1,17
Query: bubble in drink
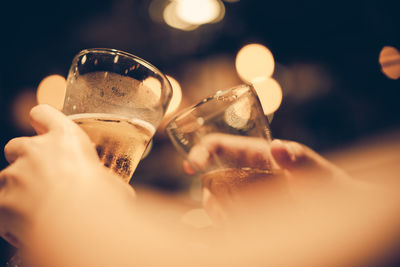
x,y
120,141
111,93
229,181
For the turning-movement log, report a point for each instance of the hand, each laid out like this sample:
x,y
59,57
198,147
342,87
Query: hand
x,y
54,178
302,172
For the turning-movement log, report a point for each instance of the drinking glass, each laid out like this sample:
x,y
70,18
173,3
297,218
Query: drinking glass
x,y
119,100
215,136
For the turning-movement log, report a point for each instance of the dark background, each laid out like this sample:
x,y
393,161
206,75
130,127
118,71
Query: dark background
x,y
326,54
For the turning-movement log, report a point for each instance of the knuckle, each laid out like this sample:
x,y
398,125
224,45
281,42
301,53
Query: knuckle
x,y
295,145
303,155
3,183
6,178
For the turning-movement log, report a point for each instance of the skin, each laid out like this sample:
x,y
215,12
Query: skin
x,y
300,170
304,170
57,170
62,207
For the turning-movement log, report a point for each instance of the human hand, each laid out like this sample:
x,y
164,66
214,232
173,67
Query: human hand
x,y
53,177
303,172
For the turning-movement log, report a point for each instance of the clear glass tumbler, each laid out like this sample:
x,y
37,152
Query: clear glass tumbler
x,y
119,100
226,139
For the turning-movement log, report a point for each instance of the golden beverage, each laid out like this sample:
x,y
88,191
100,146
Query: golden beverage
x,y
229,181
120,141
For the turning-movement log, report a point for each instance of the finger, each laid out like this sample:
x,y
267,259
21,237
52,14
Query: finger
x,y
187,168
199,157
16,147
15,204
51,90
45,118
232,150
294,156
3,181
239,151
8,184
6,211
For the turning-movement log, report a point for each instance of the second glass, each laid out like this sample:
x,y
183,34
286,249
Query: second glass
x,y
225,138
119,100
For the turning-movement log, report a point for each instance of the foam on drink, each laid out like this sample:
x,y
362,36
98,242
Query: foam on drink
x,y
120,141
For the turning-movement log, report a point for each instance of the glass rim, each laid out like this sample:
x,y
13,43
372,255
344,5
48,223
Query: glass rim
x,y
140,60
206,100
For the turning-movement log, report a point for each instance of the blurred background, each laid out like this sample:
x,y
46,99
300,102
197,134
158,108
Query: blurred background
x,y
331,68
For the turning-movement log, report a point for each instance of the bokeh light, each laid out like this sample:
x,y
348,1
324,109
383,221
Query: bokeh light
x,y
154,85
200,12
389,58
188,15
176,96
270,94
238,114
254,61
51,91
21,107
171,18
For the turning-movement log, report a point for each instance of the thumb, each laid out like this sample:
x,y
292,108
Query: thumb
x,y
294,156
45,118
